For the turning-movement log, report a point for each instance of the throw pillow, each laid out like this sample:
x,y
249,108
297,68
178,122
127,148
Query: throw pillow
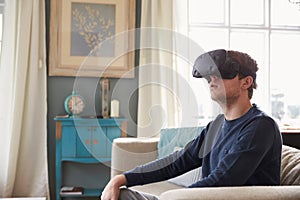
x,y
175,137
290,166
174,140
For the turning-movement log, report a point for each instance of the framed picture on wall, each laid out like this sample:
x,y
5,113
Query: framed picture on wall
x,y
92,38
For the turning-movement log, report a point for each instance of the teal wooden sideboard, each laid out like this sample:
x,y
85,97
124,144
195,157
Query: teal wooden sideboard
x,y
84,140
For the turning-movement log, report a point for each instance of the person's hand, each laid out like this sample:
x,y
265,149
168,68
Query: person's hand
x,y
112,189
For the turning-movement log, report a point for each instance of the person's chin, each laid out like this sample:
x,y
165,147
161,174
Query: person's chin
x,y
213,97
217,99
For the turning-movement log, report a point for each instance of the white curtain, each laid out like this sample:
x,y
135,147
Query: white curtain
x,y
156,101
164,93
23,106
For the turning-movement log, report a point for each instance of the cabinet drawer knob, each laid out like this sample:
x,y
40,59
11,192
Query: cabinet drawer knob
x,y
95,141
87,141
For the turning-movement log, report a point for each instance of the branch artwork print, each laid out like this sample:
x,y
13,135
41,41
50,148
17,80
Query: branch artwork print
x,y
92,24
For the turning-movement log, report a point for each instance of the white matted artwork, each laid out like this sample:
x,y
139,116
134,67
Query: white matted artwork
x,y
92,38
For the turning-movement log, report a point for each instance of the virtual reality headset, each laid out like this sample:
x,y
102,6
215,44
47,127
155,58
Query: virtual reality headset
x,y
218,63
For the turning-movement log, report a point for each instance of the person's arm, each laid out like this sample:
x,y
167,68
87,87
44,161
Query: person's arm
x,y
244,156
112,189
168,167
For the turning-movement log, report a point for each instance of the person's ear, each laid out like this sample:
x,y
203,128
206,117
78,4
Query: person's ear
x,y
247,82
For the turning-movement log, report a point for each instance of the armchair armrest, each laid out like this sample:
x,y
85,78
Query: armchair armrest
x,y
128,153
234,193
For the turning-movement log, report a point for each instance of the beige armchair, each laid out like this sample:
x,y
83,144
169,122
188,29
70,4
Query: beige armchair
x,y
130,152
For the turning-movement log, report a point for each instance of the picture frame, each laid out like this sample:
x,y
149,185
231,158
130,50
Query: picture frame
x,y
92,38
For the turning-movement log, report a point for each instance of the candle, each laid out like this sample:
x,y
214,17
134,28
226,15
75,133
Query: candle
x,y
114,108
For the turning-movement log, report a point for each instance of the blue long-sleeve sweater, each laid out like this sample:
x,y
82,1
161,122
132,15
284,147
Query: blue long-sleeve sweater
x,y
244,151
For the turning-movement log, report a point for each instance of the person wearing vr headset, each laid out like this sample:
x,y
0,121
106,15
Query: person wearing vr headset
x,y
241,147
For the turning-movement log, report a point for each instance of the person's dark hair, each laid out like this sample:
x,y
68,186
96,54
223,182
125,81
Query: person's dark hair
x,y
249,64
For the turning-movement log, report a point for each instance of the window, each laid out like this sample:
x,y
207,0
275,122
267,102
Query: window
x,y
269,31
1,22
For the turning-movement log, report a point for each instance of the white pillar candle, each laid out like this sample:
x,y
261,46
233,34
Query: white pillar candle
x,y
114,108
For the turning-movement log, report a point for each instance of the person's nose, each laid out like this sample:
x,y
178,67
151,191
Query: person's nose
x,y
213,78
